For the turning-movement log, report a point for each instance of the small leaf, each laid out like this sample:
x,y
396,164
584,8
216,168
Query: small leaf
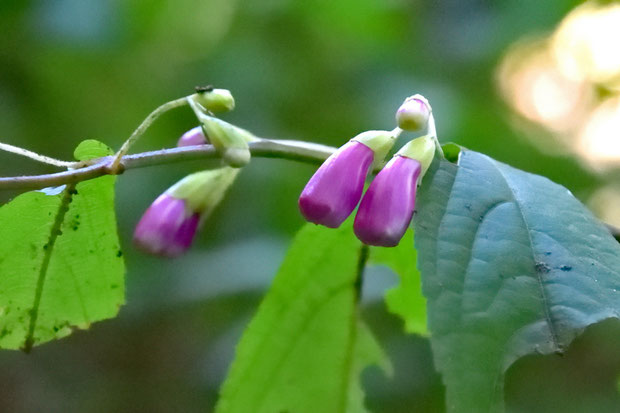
x,y
306,346
61,266
91,149
406,299
451,151
511,264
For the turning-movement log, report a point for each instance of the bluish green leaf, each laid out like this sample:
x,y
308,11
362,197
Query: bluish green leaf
x,y
406,299
511,264
305,348
60,263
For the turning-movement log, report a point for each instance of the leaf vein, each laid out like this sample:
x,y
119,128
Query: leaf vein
x,y
543,293
54,233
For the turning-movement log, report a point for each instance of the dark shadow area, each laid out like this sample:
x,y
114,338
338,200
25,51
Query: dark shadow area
x,y
584,379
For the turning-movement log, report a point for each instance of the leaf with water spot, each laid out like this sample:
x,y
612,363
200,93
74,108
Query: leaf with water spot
x,y
304,350
61,266
511,264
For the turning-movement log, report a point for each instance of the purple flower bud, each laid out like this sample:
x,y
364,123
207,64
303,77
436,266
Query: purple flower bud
x,y
167,228
194,136
335,189
387,207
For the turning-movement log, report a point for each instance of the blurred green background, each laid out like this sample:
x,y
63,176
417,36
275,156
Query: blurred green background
x,y
312,70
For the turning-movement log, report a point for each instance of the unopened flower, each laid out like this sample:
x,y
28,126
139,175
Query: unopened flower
x,y
387,206
229,140
169,225
335,189
167,228
194,136
215,100
413,114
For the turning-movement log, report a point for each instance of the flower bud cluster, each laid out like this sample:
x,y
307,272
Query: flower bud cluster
x,y
169,225
387,207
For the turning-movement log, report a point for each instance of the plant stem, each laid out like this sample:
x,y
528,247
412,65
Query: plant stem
x,y
35,156
307,152
152,117
265,148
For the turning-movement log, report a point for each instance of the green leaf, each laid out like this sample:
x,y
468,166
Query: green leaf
x,y
451,151
406,299
60,262
306,346
511,264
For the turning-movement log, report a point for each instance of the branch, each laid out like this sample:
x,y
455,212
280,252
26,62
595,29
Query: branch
x,y
152,117
35,156
264,148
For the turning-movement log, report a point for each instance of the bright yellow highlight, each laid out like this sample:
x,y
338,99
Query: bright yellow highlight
x,y
556,82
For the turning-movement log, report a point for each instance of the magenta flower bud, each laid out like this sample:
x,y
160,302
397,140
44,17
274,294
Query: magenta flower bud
x,y
167,228
194,136
335,189
169,225
387,207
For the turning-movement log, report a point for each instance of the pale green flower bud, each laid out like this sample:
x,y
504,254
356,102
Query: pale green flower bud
x,y
413,114
215,100
230,141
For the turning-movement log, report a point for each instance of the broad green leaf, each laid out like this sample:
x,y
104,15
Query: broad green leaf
x,y
304,350
406,299
60,263
511,264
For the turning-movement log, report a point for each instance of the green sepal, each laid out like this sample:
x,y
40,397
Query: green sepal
x,y
421,149
380,141
229,140
204,190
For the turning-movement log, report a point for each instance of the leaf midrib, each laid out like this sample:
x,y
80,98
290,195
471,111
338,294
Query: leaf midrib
x,y
63,207
538,275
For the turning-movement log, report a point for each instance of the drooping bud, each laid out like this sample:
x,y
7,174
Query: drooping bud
x,y
215,100
335,189
194,136
167,228
413,114
230,141
387,206
169,225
